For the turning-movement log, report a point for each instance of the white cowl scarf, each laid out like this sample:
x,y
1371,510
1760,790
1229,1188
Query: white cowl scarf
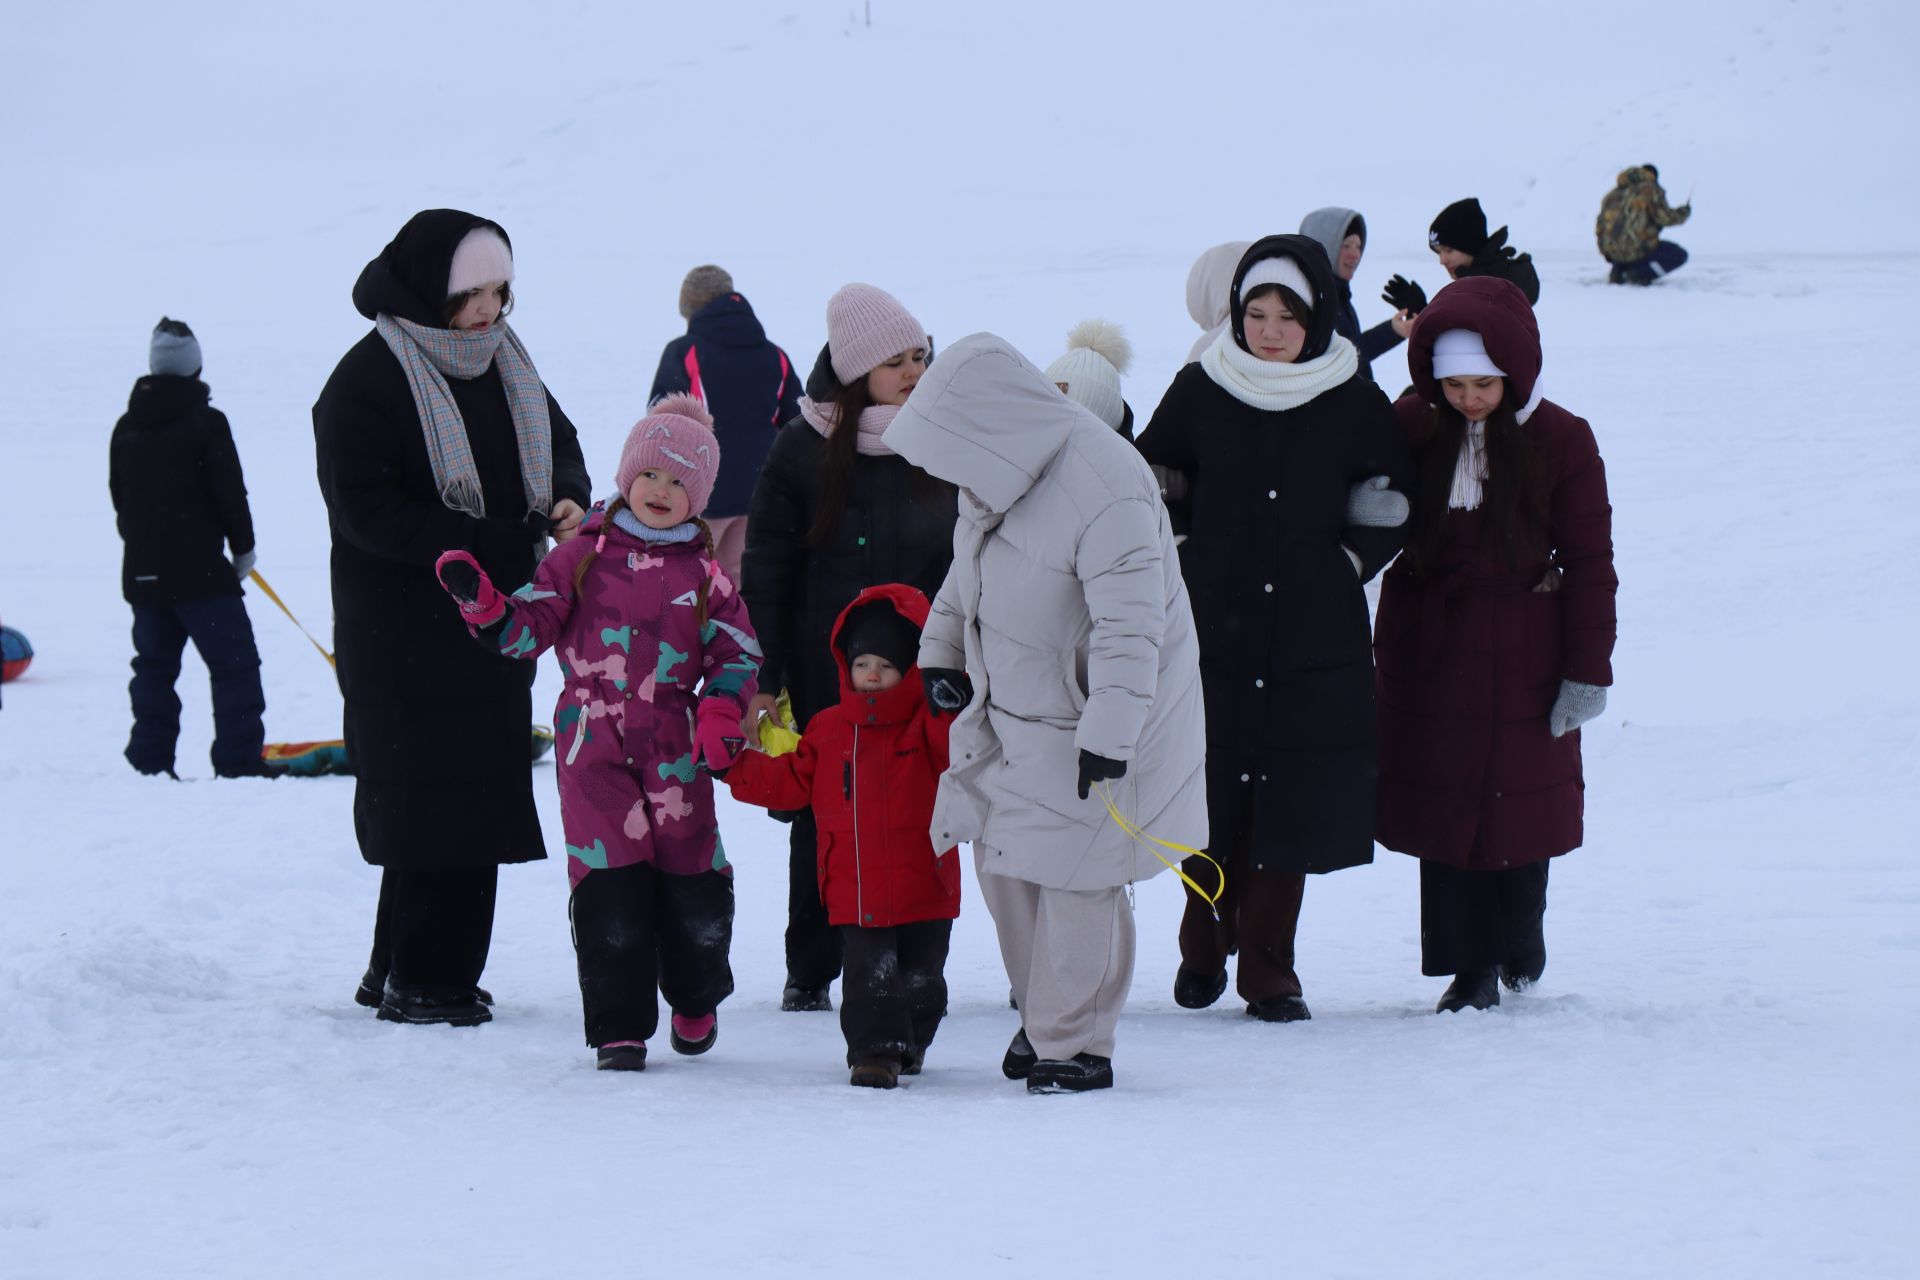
x,y
1470,468
1265,384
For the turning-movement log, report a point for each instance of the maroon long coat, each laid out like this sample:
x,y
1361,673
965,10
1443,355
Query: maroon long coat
x,y
1468,657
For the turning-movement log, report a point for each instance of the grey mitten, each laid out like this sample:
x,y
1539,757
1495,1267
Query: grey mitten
x,y
1372,505
1577,704
243,565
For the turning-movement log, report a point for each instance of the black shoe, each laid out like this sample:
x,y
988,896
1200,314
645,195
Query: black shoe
x,y
1470,991
875,1073
1197,990
1018,1064
1081,1072
253,769
373,986
799,999
1518,978
163,772
911,1061
422,1007
1280,1009
621,1057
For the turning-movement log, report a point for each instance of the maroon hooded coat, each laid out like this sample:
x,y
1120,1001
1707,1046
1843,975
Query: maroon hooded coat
x,y
869,768
1468,657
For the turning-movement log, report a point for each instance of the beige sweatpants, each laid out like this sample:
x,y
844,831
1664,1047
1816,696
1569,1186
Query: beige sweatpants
x,y
1069,956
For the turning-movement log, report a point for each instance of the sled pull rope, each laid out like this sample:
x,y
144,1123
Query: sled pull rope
x,y
1128,825
258,581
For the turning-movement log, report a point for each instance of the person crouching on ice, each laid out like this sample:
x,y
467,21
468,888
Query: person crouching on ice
x,y
869,767
660,662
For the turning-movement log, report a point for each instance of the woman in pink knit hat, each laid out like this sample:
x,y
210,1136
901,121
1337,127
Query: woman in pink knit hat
x,y
660,662
836,512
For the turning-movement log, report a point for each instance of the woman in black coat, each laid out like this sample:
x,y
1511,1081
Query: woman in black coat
x,y
836,512
435,433
1274,426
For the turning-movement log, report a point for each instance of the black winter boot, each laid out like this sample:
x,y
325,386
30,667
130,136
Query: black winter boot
x,y
423,1007
1470,991
622,1055
1078,1074
373,987
1020,1057
875,1073
799,999
1280,1009
1197,990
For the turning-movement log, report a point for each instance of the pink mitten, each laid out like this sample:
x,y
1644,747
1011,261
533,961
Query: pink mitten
x,y
716,735
463,578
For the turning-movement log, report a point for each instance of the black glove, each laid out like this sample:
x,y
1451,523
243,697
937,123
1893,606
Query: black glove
x,y
947,690
1095,768
1403,294
537,524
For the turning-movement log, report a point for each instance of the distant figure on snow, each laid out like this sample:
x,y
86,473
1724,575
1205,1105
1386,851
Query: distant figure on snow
x,y
1343,234
1628,228
1459,237
748,384
177,496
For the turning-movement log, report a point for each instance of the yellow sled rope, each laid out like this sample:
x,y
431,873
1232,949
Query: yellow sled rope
x,y
272,595
1128,825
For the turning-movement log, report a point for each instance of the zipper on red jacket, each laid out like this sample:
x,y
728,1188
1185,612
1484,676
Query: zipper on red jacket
x,y
853,798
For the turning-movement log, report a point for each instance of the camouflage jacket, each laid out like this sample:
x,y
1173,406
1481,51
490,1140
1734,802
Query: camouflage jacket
x,y
1632,214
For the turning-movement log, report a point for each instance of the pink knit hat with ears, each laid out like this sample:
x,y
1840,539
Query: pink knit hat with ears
x,y
866,328
676,437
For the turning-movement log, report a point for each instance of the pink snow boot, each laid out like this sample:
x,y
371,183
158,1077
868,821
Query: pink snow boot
x,y
694,1035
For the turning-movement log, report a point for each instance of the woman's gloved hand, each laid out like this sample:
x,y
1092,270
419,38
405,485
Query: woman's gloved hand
x,y
1577,704
1096,768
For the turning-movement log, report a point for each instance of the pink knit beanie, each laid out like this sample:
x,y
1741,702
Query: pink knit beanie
x,y
866,328
676,437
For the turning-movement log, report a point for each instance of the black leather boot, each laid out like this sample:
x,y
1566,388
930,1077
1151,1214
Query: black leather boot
x,y
1470,991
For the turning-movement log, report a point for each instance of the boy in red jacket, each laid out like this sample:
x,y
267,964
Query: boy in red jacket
x,y
868,768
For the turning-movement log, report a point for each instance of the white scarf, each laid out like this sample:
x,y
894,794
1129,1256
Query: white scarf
x,y
1470,468
1265,384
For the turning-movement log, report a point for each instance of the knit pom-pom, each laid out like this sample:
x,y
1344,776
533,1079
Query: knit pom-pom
x,y
1104,339
682,405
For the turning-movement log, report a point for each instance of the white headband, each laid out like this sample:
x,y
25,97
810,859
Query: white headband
x,y
1459,353
1281,271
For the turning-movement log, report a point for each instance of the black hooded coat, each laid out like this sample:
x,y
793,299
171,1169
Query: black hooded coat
x,y
437,727
1285,647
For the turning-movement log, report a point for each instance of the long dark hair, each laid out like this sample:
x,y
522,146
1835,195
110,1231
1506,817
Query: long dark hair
x,y
850,400
1514,492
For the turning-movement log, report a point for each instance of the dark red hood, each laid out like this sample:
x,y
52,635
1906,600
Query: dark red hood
x,y
899,702
1498,312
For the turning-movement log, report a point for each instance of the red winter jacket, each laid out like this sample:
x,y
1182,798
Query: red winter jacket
x,y
868,768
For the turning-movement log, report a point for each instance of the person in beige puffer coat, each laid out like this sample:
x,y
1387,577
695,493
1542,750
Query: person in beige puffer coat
x,y
1067,613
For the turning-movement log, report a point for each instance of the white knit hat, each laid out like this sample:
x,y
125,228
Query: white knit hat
x,y
482,258
1459,353
1282,271
1097,354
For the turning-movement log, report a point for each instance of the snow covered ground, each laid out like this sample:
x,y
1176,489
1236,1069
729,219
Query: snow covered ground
x,y
1714,1079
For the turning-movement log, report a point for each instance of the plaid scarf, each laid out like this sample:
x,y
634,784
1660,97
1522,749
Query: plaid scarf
x,y
429,357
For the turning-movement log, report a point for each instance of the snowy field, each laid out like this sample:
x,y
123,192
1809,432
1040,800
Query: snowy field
x,y
1715,1077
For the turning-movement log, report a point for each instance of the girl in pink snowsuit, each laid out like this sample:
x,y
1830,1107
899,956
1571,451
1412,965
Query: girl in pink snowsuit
x,y
660,662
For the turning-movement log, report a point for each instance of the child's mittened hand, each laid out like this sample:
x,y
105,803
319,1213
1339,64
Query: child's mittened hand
x,y
716,737
463,579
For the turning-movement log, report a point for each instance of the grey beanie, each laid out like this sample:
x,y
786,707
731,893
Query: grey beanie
x,y
174,350
702,285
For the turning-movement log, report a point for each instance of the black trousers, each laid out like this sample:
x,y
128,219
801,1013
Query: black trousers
x,y
1478,921
895,990
433,929
1259,918
639,934
220,630
813,945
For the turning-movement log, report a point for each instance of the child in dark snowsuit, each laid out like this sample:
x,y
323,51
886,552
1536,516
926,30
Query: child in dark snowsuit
x,y
641,614
177,496
868,767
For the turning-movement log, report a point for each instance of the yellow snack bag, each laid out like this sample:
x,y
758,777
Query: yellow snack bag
x,y
777,733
